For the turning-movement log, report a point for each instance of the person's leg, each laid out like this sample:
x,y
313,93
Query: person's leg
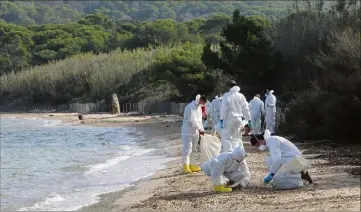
x,y
187,150
273,123
241,175
192,161
236,134
226,137
256,124
254,127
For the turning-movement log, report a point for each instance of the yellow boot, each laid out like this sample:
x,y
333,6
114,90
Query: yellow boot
x,y
186,169
221,188
195,168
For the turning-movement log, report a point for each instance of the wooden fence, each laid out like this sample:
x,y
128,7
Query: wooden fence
x,y
145,108
139,108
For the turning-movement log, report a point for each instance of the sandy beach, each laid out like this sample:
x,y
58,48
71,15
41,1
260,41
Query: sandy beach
x,y
169,189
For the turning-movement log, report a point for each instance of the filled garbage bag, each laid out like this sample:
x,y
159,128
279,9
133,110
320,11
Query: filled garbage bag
x,y
289,175
210,147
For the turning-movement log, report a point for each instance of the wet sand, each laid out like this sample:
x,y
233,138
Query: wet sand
x,y
169,189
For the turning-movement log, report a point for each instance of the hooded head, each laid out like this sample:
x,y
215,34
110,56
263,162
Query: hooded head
x,y
238,154
200,100
232,83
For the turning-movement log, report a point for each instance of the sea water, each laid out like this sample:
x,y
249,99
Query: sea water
x,y
49,166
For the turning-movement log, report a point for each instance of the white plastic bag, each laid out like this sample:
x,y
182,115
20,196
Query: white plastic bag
x,y
289,175
210,147
296,165
287,180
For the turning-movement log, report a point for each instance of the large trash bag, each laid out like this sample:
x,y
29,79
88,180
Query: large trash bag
x,y
210,147
289,175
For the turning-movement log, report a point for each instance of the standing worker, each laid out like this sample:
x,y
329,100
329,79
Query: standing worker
x,y
270,105
256,107
216,105
213,114
234,106
191,129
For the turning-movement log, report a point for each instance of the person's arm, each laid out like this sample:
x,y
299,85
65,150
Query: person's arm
x,y
245,108
217,172
275,152
193,119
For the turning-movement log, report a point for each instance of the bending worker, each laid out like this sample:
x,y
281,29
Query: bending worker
x,y
282,152
256,107
191,129
230,165
234,106
270,111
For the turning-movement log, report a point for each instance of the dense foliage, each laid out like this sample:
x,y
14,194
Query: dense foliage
x,y
311,58
44,12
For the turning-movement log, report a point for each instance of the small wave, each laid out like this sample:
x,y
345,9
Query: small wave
x,y
43,204
52,123
111,162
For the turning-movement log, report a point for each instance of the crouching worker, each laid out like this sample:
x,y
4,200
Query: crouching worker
x,y
191,129
228,168
287,168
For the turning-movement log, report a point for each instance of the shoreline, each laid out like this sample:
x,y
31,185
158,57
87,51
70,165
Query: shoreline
x,y
170,189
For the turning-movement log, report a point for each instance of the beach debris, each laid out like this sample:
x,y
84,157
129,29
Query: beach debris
x,y
115,104
80,117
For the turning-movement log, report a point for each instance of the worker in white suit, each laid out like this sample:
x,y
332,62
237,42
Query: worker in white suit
x,y
192,128
234,107
281,152
256,107
216,105
229,166
270,105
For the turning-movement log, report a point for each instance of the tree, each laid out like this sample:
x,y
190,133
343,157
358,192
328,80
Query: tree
x,y
242,48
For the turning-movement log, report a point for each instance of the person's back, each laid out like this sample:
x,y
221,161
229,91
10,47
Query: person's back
x,y
256,106
216,105
236,105
280,148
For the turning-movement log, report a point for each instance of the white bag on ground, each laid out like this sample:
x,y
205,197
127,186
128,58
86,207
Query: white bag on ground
x,y
289,175
210,147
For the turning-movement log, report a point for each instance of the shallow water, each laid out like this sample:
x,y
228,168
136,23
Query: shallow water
x,y
46,165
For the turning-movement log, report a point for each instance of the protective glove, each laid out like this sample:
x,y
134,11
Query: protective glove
x,y
249,124
268,178
221,125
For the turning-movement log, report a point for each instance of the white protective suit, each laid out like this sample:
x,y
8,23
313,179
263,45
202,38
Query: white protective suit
x,y
234,106
283,153
225,167
270,105
192,125
256,106
216,104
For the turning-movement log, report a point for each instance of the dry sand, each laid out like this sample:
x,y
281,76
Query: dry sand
x,y
169,189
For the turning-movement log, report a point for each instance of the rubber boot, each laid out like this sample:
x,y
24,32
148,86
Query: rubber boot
x,y
222,189
186,169
306,176
195,168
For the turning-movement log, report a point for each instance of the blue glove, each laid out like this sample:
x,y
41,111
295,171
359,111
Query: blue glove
x,y
221,125
268,178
